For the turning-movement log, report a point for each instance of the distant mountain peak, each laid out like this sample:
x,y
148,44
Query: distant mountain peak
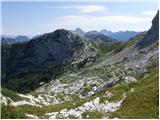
x,y
120,35
105,32
8,39
80,31
21,38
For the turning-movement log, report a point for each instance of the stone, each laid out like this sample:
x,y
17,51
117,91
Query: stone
x,y
109,95
96,100
31,116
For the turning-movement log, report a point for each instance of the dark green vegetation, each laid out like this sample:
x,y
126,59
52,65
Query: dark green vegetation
x,y
10,94
31,81
9,112
10,57
115,46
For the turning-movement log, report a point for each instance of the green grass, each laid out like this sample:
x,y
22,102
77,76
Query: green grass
x,y
9,112
117,93
115,46
92,115
72,117
95,71
143,103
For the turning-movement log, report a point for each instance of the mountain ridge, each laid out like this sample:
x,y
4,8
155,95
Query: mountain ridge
x,y
120,35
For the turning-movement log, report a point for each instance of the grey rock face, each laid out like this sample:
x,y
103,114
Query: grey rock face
x,y
152,35
54,48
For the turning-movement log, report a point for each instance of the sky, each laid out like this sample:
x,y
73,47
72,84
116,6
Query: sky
x,y
38,17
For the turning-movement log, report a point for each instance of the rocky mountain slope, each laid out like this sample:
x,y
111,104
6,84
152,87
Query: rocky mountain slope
x,y
99,80
58,48
152,35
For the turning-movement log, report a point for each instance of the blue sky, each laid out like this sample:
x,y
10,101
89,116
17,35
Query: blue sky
x,y
35,17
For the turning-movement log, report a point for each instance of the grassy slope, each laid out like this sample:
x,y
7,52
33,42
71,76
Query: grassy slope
x,y
11,94
144,102
9,112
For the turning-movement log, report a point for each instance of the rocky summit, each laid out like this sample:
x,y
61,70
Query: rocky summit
x,y
63,75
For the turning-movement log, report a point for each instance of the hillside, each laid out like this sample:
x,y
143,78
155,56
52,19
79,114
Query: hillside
x,y
42,54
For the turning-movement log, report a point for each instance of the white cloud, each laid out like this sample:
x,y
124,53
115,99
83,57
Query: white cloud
x,y
87,8
149,13
91,8
113,23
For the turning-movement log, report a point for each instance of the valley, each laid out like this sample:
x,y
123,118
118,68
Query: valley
x,y
62,75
